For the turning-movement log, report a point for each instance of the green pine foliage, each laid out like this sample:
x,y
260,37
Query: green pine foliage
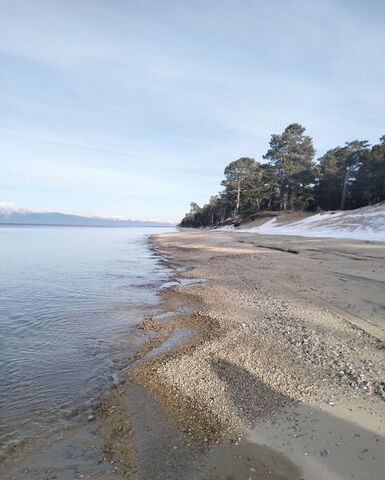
x,y
345,177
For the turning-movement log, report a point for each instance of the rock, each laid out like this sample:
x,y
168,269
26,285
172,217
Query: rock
x,y
325,452
90,418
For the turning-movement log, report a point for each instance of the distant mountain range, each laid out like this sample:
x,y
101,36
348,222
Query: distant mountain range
x,y
11,215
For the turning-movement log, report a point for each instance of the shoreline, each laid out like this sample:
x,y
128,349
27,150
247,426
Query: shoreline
x,y
308,361
241,373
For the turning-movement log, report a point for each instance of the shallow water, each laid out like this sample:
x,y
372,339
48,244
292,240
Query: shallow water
x,y
70,297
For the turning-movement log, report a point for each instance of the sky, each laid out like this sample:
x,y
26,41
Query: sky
x,y
134,107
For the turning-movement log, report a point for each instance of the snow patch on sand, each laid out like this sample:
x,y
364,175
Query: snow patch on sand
x,y
367,223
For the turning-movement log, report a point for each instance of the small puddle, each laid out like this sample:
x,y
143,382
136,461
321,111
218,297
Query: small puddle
x,y
165,316
172,341
182,282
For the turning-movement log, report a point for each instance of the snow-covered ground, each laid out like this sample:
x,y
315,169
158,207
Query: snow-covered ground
x,y
367,223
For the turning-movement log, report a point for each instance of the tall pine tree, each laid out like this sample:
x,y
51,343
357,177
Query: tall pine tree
x,y
291,156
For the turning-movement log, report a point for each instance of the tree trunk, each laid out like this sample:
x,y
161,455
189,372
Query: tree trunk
x,y
282,203
238,196
288,206
344,188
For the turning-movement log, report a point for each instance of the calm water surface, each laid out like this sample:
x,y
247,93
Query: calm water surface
x,y
69,300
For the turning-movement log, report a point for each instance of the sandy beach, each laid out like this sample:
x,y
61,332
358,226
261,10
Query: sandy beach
x,y
192,240
289,352
264,360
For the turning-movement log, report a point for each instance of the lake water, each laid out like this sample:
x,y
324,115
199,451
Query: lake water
x,y
70,298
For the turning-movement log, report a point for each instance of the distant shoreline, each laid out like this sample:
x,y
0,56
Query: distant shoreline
x,y
83,226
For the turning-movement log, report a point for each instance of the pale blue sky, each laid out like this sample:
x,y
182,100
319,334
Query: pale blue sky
x,y
135,107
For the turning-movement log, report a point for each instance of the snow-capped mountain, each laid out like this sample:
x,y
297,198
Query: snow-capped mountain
x,y
10,214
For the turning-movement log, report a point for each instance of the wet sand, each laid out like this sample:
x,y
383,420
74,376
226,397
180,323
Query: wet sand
x,y
272,369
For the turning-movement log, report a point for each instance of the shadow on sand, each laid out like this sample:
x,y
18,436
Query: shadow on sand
x,y
323,444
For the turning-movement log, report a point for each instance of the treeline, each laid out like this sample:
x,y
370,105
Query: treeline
x,y
345,177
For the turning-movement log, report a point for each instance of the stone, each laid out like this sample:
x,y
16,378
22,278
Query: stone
x,y
325,452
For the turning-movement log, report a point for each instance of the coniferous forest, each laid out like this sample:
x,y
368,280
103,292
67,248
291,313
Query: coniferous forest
x,y
290,178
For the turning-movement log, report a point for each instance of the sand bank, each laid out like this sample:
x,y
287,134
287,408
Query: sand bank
x,y
293,352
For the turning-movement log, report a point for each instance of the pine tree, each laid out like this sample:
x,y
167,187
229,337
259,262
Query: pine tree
x,y
236,174
291,155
